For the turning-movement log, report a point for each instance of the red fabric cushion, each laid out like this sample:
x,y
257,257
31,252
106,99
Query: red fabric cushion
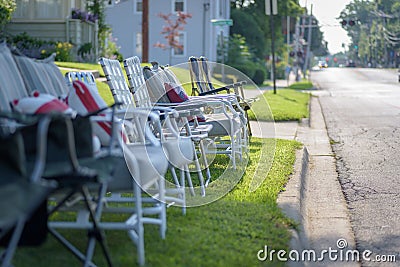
x,y
175,93
85,99
40,103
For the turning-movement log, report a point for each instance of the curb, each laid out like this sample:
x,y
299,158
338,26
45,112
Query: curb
x,y
291,202
313,195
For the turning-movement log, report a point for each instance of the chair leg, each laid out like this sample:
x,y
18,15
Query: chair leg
x,y
200,176
138,235
12,245
163,212
174,176
95,233
189,179
183,196
205,162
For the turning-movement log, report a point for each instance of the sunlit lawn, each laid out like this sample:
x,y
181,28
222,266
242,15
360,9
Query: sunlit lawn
x,y
285,105
227,232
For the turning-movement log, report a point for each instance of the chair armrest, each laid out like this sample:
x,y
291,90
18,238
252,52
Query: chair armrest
x,y
215,91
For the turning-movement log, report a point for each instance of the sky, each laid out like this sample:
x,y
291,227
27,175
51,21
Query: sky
x,y
326,11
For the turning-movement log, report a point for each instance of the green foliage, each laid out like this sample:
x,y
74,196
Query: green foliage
x,y
97,7
251,22
302,85
7,8
285,105
240,58
375,35
111,50
228,232
37,48
81,66
85,49
259,76
63,51
245,25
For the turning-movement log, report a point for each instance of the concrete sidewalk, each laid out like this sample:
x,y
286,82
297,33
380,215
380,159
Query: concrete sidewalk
x,y
313,195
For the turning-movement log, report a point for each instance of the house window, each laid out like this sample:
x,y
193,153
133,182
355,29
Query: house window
x,y
138,6
23,9
179,5
181,40
39,9
48,9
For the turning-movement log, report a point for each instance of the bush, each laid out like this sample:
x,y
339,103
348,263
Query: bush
x,y
247,68
36,48
259,76
63,51
7,7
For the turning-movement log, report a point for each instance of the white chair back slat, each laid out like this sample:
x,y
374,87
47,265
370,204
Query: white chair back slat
x,y
137,82
117,83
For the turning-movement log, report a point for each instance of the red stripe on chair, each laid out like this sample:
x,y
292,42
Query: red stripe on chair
x,y
51,106
85,96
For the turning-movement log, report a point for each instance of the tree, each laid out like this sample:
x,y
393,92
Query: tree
x,y
318,46
7,8
251,22
379,21
171,31
97,7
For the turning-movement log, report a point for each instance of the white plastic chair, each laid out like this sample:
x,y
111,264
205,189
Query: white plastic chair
x,y
170,138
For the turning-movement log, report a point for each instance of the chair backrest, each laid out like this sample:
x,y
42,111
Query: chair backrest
x,y
12,85
205,70
84,76
196,76
200,75
155,81
117,82
137,83
41,75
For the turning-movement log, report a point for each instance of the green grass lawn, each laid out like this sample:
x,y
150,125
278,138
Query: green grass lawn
x,y
81,66
301,85
285,105
182,74
228,232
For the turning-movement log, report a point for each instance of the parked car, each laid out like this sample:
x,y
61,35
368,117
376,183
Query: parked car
x,y
350,64
322,64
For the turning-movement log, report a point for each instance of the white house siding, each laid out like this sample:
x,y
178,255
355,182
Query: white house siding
x,y
201,35
124,24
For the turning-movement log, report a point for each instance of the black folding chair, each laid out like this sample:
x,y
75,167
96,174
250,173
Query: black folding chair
x,y
22,196
51,155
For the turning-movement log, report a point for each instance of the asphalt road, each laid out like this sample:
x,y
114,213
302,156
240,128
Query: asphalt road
x,y
362,112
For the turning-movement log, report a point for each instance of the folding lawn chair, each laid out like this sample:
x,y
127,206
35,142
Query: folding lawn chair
x,y
179,150
186,111
89,216
61,163
227,124
200,75
23,195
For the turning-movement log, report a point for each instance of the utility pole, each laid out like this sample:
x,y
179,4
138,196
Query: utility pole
x,y
145,30
309,36
288,37
271,8
296,49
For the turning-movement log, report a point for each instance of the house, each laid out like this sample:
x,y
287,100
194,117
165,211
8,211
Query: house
x,y
51,20
199,36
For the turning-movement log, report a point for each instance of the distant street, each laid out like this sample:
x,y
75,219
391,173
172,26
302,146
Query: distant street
x,y
362,112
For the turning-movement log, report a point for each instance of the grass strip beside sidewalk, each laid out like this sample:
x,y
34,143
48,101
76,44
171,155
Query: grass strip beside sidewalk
x,y
228,232
285,105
